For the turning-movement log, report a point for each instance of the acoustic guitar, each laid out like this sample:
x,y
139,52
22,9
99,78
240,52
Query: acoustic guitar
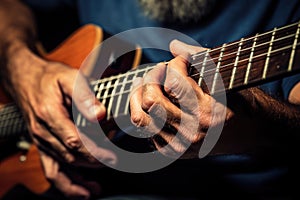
x,y
21,165
240,64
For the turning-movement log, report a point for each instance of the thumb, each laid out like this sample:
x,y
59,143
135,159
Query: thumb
x,y
85,100
185,50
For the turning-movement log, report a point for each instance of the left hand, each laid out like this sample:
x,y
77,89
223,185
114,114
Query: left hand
x,y
152,108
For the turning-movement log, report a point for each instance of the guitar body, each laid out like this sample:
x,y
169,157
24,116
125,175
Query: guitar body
x,y
29,172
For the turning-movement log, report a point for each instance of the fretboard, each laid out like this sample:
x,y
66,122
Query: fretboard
x,y
230,67
249,61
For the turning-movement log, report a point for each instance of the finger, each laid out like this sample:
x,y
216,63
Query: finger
x,y
154,102
179,48
189,94
48,142
105,156
156,75
138,117
58,122
152,83
180,123
180,87
169,145
60,180
84,98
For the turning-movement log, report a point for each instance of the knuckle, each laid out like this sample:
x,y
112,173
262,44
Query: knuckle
x,y
205,123
35,128
43,110
195,137
73,142
176,148
51,174
137,119
149,101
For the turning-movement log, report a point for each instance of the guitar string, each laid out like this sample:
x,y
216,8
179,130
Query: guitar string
x,y
249,48
251,38
12,121
247,59
193,75
100,81
215,49
255,57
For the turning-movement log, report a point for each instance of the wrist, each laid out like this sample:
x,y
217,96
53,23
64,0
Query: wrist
x,y
14,49
16,59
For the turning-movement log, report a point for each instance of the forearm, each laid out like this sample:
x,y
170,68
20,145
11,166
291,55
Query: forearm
x,y
17,40
281,115
17,24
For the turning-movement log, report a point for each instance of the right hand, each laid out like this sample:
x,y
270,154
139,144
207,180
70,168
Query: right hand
x,y
44,92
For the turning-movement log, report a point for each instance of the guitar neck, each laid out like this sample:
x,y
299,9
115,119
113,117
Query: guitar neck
x,y
249,61
230,67
11,122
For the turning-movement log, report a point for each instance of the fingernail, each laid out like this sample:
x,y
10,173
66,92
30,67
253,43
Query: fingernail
x,y
69,158
97,111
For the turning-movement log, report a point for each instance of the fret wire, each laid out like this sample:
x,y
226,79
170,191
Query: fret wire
x,y
128,98
249,48
83,122
135,72
95,82
106,92
120,96
268,55
250,60
203,68
102,82
257,56
217,69
119,93
111,98
194,64
286,37
250,38
78,119
294,48
98,96
251,57
235,64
